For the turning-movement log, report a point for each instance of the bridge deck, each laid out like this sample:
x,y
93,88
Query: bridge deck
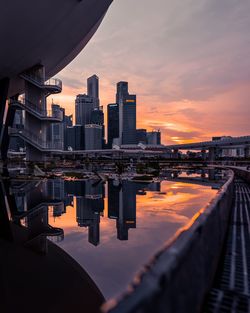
x,y
231,290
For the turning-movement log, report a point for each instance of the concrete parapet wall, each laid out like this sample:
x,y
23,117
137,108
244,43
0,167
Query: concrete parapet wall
x,y
180,275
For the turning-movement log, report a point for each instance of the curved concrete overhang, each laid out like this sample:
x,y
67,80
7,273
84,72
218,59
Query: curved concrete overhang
x,y
49,33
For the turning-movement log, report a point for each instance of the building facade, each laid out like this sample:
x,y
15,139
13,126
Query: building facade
x,y
97,118
113,123
127,114
93,137
84,105
154,138
141,136
75,138
93,89
57,129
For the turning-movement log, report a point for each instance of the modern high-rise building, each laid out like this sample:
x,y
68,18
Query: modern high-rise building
x,y
127,114
93,137
127,120
56,135
113,123
79,137
93,89
84,105
122,91
154,138
67,122
97,118
141,136
75,138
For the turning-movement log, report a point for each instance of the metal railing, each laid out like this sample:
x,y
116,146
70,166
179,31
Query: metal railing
x,y
35,140
51,83
29,106
54,82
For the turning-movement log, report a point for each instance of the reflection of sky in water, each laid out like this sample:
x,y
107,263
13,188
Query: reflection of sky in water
x,y
113,263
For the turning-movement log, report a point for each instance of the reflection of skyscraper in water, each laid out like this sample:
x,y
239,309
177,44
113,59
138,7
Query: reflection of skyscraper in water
x,y
56,189
122,206
88,209
56,193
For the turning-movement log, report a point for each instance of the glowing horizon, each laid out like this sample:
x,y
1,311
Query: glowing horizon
x,y
187,62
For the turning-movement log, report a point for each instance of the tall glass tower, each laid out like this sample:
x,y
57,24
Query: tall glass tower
x,y
127,114
113,123
93,89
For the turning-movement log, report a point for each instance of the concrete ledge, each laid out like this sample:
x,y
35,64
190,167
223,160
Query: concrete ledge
x,y
180,275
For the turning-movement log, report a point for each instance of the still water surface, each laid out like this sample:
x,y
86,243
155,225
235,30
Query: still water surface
x,y
112,228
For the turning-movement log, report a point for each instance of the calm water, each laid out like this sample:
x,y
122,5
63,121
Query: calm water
x,y
111,228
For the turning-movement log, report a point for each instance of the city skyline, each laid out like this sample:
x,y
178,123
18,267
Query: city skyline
x,y
184,83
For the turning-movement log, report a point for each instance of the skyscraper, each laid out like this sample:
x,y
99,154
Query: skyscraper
x,y
127,114
154,138
84,105
75,138
97,118
93,137
93,89
56,136
141,136
67,122
122,91
127,120
113,123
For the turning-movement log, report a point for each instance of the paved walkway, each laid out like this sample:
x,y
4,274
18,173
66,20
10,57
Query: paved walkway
x,y
231,290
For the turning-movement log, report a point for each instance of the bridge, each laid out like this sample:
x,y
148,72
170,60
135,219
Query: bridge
x,y
214,145
228,142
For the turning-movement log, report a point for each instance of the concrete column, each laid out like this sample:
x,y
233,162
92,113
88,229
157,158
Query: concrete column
x,y
203,174
203,154
4,88
175,174
211,174
176,153
5,132
246,152
5,228
211,154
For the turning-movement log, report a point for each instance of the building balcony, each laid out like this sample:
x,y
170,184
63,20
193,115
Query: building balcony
x,y
51,86
33,109
35,141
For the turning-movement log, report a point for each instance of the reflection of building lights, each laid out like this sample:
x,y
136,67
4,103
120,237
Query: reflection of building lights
x,y
93,197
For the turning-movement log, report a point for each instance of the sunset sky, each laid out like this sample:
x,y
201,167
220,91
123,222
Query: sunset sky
x,y
188,61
